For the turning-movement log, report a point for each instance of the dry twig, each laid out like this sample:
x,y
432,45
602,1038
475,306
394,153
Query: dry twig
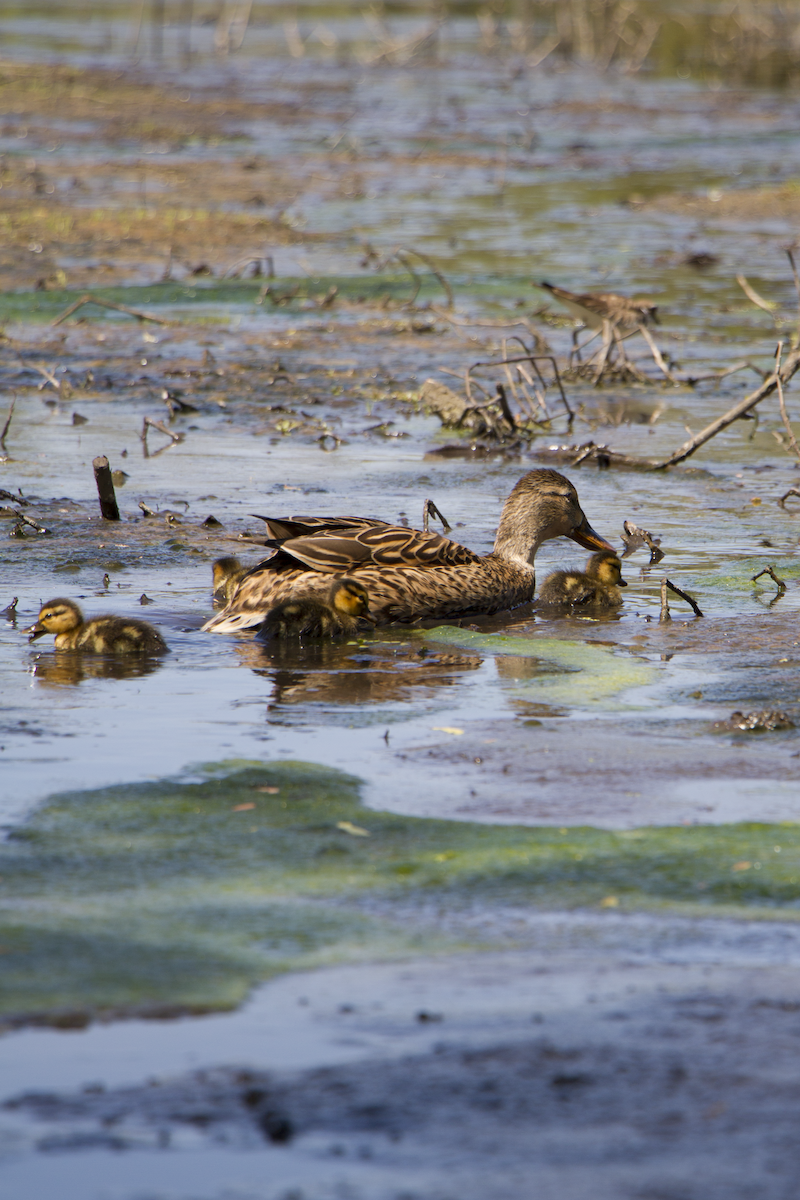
x,y
770,384
666,583
7,425
768,306
784,415
33,524
633,537
793,491
430,510
88,298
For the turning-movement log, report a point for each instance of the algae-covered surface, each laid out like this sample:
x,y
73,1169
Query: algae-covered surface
x,y
180,896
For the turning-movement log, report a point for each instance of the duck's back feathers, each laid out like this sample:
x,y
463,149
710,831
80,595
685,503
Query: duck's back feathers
x,y
330,546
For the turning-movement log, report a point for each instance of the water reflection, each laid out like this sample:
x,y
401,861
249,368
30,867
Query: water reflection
x,y
68,668
369,672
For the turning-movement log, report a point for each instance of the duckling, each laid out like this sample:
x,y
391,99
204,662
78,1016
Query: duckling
x,y
100,635
227,573
308,616
597,587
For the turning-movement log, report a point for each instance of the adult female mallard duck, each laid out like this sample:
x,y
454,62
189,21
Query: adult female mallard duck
x,y
410,574
309,616
596,587
100,635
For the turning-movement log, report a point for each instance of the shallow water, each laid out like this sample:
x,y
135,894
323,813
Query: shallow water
x,y
503,173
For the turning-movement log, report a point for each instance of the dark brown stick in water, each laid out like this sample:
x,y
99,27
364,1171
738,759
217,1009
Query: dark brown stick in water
x,y
105,488
666,583
775,579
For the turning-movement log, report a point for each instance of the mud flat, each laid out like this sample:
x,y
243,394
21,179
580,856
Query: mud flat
x,y
613,1057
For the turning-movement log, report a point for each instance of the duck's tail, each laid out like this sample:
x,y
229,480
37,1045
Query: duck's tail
x,y
238,622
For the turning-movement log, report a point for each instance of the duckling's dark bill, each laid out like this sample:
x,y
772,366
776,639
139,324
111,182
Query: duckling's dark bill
x,y
35,631
585,536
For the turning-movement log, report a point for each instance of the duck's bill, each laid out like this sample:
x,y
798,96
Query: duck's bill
x,y
585,536
35,631
622,583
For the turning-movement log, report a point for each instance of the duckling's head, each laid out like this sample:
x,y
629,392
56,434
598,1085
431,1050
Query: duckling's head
x,y
57,616
224,569
350,597
606,567
543,505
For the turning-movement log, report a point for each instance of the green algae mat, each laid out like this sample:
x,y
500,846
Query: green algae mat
x,y
180,896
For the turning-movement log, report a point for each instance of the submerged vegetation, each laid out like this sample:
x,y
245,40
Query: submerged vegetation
x,y
180,896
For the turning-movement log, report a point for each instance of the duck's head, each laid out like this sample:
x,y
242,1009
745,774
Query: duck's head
x,y
57,616
543,505
350,597
224,569
606,567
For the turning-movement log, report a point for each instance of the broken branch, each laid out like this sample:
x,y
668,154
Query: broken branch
x,y
771,572
90,299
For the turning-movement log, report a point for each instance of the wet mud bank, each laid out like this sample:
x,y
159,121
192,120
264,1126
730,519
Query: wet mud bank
x,y
584,1064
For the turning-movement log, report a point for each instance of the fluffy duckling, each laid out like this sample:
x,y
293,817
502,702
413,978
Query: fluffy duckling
x,y
100,635
308,616
227,573
596,587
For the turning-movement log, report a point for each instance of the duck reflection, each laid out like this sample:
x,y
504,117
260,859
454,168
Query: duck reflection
x,y
67,668
373,672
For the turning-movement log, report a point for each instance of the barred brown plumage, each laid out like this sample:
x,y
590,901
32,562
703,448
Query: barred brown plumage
x,y
410,574
594,308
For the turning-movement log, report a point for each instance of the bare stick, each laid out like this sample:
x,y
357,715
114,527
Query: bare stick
x,y
33,524
532,359
429,510
434,269
771,572
47,374
656,353
150,423
417,281
105,488
683,595
90,299
7,424
793,491
768,306
795,276
505,407
784,415
769,385
665,616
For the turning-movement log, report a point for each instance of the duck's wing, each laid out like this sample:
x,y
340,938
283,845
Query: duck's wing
x,y
384,545
280,529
